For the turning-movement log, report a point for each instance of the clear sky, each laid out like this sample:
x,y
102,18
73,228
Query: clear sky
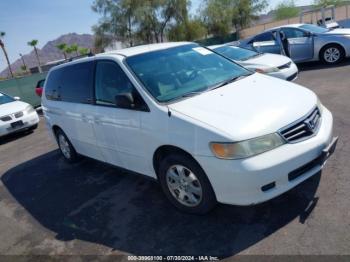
x,y
45,20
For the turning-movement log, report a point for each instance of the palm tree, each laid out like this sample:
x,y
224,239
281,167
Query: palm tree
x,y
84,51
33,43
63,47
75,48
2,45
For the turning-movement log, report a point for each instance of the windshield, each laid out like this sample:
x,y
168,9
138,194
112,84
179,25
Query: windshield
x,y
4,99
176,72
314,29
236,53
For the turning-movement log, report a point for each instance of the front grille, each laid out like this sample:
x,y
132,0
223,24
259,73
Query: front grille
x,y
19,114
285,66
302,129
6,118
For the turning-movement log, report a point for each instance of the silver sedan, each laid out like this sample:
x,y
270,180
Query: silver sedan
x,y
303,43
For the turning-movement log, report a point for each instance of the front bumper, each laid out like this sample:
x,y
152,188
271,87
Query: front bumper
x,y
289,74
28,120
260,178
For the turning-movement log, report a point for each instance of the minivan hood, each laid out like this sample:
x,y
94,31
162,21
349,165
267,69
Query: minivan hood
x,y
12,107
266,60
254,106
339,31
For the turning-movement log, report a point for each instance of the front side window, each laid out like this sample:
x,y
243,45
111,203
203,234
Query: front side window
x,y
4,99
173,73
293,33
111,81
236,53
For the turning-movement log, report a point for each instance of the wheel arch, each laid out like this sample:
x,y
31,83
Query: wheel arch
x,y
331,44
166,150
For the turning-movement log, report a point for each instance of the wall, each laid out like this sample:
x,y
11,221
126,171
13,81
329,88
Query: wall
x,y
24,87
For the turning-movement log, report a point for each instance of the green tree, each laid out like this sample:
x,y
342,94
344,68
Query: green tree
x,y
75,48
83,51
222,16
69,50
286,9
137,21
33,44
24,68
62,47
188,30
2,45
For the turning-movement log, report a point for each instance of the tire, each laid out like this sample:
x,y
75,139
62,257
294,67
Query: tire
x,y
66,147
332,54
186,185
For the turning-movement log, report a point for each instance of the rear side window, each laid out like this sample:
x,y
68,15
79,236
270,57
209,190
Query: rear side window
x,y
264,37
72,83
52,85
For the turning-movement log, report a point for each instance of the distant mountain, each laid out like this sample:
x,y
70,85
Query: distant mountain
x,y
50,52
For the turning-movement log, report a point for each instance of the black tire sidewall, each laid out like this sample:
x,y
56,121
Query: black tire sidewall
x,y
73,154
208,198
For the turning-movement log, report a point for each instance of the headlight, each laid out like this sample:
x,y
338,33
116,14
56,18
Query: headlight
x,y
29,109
247,148
267,70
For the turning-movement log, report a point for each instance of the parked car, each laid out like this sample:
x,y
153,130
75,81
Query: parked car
x,y
303,42
328,22
39,87
16,116
208,129
271,64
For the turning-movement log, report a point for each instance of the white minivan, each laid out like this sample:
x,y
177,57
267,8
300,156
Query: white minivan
x,y
208,129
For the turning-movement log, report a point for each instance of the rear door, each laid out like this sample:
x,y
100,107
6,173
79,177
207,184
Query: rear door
x,y
266,43
301,44
72,106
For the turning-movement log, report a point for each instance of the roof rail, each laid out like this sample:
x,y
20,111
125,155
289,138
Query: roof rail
x,y
90,54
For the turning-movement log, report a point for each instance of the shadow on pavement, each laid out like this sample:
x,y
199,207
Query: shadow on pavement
x,y
309,66
95,202
14,136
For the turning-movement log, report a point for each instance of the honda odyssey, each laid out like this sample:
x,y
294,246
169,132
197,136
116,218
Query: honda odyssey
x,y
208,129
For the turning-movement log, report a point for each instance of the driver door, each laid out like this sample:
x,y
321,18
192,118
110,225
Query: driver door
x,y
266,43
301,44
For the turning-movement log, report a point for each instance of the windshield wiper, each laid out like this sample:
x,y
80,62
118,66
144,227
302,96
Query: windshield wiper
x,y
226,82
193,93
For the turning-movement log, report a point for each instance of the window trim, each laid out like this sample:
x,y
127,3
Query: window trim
x,y
146,107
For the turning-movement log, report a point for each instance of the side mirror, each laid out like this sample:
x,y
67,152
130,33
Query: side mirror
x,y
17,98
125,100
308,34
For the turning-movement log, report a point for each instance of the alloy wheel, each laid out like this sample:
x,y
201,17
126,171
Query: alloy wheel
x,y
184,185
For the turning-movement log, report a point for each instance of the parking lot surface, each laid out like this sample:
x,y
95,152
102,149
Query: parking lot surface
x,y
49,207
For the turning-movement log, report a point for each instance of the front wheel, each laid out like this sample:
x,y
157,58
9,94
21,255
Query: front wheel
x,y
186,185
332,54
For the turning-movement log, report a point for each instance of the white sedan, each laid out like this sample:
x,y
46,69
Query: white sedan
x,y
274,65
16,116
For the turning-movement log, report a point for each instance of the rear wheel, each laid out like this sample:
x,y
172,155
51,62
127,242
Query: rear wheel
x,y
332,54
186,185
66,147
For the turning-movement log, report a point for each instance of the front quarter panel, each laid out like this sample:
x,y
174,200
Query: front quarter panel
x,y
323,40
